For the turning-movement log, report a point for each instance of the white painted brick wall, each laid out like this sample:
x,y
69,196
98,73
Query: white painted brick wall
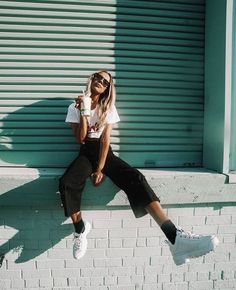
x,y
123,252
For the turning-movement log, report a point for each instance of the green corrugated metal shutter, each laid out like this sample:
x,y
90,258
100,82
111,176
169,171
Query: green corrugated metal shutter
x,y
155,51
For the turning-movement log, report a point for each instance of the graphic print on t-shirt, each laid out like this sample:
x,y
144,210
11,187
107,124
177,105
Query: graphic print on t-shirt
x,y
93,129
73,116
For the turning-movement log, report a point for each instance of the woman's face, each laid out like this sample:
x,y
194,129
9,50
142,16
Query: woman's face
x,y
100,82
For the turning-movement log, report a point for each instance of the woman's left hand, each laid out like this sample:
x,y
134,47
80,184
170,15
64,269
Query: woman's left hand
x,y
97,177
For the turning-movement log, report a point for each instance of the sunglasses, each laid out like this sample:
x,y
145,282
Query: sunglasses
x,y
101,79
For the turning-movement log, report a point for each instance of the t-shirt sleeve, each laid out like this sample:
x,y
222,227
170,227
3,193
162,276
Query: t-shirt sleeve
x,y
113,116
73,114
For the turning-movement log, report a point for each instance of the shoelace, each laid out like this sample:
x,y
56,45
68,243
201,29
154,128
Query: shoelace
x,y
184,234
188,235
77,241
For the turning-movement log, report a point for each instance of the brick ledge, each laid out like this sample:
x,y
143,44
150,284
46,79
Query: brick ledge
x,y
172,185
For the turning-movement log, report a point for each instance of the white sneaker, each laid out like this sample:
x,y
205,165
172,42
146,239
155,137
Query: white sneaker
x,y
80,242
188,245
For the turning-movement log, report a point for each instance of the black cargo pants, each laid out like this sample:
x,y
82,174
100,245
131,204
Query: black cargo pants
x,y
127,178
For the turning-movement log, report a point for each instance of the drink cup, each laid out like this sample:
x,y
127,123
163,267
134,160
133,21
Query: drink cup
x,y
85,106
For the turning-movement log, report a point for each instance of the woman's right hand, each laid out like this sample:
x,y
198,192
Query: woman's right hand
x,y
78,102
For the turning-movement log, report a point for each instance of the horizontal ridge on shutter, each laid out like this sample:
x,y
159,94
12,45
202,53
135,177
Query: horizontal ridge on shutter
x,y
154,50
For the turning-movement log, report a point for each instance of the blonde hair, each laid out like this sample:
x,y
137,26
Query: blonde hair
x,y
106,99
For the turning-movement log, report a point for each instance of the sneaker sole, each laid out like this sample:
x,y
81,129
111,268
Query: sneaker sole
x,y
87,230
181,259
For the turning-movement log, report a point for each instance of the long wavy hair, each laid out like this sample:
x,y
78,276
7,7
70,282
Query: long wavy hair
x,y
106,99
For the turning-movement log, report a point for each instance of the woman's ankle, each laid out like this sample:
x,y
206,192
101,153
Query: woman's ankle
x,y
79,226
76,217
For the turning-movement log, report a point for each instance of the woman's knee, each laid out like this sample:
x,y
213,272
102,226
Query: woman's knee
x,y
136,177
72,181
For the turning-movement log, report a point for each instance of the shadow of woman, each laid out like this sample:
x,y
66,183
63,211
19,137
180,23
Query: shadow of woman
x,y
36,136
32,137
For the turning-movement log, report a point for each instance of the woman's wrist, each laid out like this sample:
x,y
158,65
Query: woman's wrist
x,y
99,169
83,117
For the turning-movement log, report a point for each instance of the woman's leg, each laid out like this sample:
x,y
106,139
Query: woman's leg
x,y
133,182
72,184
78,222
141,196
143,200
76,217
156,211
182,245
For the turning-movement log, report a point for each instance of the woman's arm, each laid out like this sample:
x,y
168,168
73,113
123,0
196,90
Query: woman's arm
x,y
104,148
80,130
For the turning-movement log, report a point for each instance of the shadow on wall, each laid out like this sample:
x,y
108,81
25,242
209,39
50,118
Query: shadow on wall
x,y
37,136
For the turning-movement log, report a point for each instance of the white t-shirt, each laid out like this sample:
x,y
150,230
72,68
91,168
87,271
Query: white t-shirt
x,y
73,116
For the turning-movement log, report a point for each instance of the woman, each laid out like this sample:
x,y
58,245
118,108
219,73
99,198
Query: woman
x,y
96,159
